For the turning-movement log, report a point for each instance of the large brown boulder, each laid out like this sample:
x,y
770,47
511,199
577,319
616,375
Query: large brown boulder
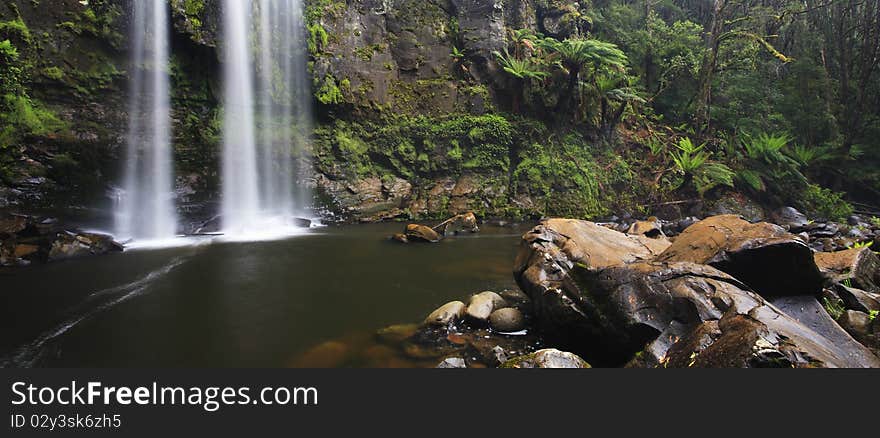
x,y
602,294
765,256
682,314
860,266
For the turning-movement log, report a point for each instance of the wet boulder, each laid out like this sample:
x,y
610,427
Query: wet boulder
x,y
68,245
447,314
765,256
549,251
461,223
859,266
507,319
481,306
547,358
421,233
399,237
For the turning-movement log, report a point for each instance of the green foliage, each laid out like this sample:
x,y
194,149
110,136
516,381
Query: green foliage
x,y
824,203
689,158
872,315
576,53
834,308
523,69
329,93
807,156
318,38
417,146
860,245
693,162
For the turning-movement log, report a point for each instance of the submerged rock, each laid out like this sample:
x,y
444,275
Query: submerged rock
x,y
396,333
400,237
547,358
764,256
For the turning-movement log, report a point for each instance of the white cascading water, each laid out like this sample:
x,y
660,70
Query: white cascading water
x,y
146,203
267,116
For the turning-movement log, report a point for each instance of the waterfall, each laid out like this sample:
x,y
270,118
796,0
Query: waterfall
x,y
146,203
266,115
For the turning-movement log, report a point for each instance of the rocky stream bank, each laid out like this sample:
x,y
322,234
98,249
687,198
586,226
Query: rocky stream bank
x,y
717,292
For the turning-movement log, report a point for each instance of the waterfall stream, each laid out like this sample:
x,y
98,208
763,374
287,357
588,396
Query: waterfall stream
x,y
266,116
146,202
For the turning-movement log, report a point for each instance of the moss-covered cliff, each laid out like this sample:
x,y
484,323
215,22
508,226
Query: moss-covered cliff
x,y
410,108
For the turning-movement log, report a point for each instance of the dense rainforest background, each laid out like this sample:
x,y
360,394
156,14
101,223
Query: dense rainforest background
x,y
511,108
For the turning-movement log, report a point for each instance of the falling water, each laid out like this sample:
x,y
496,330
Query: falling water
x,y
266,115
146,202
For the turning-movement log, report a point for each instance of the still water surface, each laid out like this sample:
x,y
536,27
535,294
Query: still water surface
x,y
260,304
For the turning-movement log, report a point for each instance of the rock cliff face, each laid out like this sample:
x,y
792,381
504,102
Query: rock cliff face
x,y
407,96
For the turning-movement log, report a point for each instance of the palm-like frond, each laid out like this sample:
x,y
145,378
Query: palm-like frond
x,y
519,68
579,52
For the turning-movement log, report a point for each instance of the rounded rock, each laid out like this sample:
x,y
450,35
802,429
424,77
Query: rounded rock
x,y
483,304
446,314
507,320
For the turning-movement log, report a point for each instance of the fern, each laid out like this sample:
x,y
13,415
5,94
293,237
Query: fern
x,y
752,179
712,175
523,69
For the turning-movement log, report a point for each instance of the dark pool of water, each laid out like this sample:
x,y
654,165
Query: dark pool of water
x,y
262,304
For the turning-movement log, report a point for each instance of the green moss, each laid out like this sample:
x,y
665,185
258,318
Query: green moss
x,y
15,29
53,73
318,38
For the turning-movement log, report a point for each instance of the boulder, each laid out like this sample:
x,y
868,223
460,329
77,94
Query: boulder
x,y
421,233
859,266
789,218
466,222
517,299
481,306
856,323
736,204
694,315
507,320
820,230
400,237
765,256
447,314
857,299
302,222
622,306
547,358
